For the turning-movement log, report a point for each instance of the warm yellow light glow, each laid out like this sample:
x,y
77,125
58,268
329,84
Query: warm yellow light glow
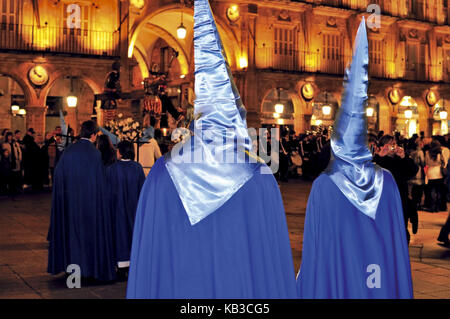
x,y
164,131
181,32
412,128
276,115
408,114
279,108
370,111
280,121
72,101
15,108
326,110
406,101
444,127
22,112
130,50
182,76
443,115
243,62
318,122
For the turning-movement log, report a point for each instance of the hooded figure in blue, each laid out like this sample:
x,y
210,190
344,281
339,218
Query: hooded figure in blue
x,y
210,221
80,224
354,242
125,179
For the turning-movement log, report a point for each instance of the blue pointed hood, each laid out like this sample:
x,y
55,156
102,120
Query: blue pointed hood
x,y
212,165
351,167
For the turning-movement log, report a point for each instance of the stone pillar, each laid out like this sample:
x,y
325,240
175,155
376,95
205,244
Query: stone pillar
x,y
307,121
35,118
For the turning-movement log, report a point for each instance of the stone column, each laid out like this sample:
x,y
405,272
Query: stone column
x,y
35,118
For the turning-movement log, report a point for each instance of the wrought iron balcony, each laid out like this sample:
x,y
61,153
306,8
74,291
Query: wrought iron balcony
x,y
332,63
19,37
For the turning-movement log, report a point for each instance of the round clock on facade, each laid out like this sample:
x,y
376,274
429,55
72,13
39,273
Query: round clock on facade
x,y
308,91
394,96
431,98
38,75
139,4
233,13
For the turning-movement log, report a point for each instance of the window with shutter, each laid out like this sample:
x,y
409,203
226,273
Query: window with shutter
x,y
283,48
9,14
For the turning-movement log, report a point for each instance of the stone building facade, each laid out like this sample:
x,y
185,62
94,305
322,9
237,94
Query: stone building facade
x,y
288,52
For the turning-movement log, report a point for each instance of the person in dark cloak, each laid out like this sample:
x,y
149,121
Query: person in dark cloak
x,y
80,226
125,178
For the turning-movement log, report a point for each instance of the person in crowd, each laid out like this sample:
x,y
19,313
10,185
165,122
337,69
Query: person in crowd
x,y
149,150
8,141
160,140
436,198
31,161
418,181
213,228
16,164
125,179
107,150
2,137
80,206
443,234
5,172
285,153
393,158
354,225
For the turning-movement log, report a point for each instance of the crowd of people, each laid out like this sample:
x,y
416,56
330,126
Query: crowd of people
x,y
418,164
28,163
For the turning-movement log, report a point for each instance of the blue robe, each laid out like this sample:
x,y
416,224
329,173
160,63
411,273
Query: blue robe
x,y
242,250
125,180
341,245
80,227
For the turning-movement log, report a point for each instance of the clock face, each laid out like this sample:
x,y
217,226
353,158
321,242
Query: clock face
x,y
307,91
38,75
394,96
431,98
233,13
138,3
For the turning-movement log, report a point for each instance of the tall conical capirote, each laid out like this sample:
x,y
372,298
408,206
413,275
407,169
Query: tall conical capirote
x,y
351,167
212,165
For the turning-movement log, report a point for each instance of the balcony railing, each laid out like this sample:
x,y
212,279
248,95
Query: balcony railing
x,y
318,62
21,37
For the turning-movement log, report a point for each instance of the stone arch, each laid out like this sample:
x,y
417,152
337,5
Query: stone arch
x,y
28,90
230,42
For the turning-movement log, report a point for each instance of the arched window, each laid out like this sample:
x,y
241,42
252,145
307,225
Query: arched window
x,y
278,107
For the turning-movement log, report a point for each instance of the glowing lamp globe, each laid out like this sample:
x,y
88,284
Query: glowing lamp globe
x,y
326,110
181,32
408,114
370,111
72,101
279,108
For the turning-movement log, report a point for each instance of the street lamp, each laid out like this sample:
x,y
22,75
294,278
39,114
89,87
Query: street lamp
x,y
72,99
408,113
279,107
326,109
370,111
181,30
22,112
15,108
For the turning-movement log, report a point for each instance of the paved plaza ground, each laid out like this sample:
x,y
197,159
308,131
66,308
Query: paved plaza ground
x,y
23,250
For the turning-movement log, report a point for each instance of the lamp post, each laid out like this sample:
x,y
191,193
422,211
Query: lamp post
x,y
72,99
181,30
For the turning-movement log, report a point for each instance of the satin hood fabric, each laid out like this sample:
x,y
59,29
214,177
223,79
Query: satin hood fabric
x,y
213,164
351,167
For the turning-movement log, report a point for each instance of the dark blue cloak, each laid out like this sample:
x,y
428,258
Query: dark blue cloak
x,y
242,250
125,180
340,243
80,226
